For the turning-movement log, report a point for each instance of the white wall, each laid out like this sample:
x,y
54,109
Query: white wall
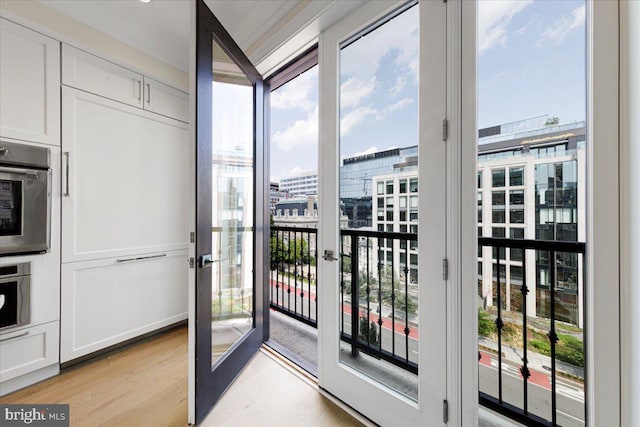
x,y
42,18
630,209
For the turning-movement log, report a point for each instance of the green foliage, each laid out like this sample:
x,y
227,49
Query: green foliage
x,y
486,326
368,330
403,302
571,350
278,251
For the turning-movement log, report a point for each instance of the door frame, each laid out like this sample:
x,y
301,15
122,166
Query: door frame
x,y
209,387
433,364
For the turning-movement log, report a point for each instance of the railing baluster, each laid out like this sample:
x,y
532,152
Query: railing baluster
x,y
379,294
499,325
393,306
341,285
368,297
525,369
289,273
553,338
406,300
355,297
295,271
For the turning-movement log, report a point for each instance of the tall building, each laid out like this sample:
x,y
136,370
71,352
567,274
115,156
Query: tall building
x,y
356,178
301,184
531,185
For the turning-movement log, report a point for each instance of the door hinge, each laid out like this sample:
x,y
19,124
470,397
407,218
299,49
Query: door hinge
x,y
445,411
192,237
192,262
445,129
445,269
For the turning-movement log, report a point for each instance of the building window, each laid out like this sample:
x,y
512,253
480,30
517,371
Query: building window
x,y
516,176
479,179
389,187
403,186
497,178
380,202
413,185
381,188
498,198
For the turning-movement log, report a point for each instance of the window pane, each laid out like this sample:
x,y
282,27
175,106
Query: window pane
x,y
497,178
516,176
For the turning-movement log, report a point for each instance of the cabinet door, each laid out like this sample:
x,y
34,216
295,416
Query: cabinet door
x,y
96,75
27,350
109,301
29,84
165,100
127,183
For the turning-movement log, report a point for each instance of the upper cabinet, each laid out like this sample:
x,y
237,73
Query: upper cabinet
x,y
29,84
96,75
90,73
165,100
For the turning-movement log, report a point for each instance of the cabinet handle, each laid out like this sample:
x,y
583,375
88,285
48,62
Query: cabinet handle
x,y
140,258
67,193
139,89
148,93
24,334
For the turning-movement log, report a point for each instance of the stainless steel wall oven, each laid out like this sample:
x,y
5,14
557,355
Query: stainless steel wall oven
x,y
15,295
25,199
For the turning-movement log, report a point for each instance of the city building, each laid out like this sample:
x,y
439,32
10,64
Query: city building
x,y
356,177
531,185
300,184
275,195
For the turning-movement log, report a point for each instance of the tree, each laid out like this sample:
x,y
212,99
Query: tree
x,y
277,250
369,331
298,252
552,121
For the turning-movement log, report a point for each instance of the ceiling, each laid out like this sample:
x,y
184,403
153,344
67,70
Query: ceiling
x,y
269,32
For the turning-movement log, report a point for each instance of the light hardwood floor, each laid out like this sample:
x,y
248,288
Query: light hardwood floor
x,y
142,385
146,385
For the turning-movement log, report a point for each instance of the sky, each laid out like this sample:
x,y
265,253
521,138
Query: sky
x,y
531,62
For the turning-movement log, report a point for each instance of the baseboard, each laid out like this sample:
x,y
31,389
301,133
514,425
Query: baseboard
x,y
29,379
122,345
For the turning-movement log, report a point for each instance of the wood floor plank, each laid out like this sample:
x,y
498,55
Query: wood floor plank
x,y
146,385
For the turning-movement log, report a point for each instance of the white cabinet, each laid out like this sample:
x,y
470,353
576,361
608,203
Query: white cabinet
x,y
165,100
96,75
93,74
128,179
27,350
29,85
107,301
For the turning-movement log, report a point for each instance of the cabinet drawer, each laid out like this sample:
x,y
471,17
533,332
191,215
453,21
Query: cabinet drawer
x,y
29,84
165,100
96,75
27,350
105,302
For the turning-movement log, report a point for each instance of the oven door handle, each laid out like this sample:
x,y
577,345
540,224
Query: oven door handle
x,y
31,173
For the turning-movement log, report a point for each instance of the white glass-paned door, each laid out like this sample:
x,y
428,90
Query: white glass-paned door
x,y
382,201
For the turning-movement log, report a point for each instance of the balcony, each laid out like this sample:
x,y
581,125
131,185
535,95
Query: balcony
x,y
531,359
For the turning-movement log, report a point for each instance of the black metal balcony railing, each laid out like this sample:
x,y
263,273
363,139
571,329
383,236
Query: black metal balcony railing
x,y
554,252
294,272
381,316
378,300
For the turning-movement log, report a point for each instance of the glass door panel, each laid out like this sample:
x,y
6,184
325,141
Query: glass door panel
x,y
379,248
232,199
